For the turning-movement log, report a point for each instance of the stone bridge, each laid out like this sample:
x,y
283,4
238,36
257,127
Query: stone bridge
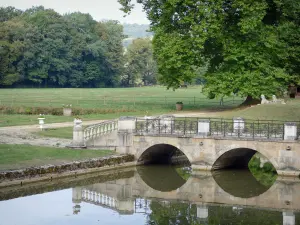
x,y
208,144
200,189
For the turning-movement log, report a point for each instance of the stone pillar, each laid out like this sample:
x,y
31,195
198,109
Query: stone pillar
x,y
76,199
238,125
41,123
288,218
76,195
78,136
202,212
125,207
290,131
126,129
203,127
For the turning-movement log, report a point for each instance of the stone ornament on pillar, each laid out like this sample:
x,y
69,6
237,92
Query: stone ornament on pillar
x,y
290,131
203,127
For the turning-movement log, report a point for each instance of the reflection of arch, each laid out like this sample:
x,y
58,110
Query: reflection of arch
x,y
161,154
239,183
238,158
161,178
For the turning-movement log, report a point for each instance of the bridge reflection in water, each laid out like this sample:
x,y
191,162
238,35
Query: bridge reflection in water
x,y
232,196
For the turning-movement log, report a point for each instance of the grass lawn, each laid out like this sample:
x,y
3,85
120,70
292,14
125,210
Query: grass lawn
x,y
115,102
140,99
288,112
63,132
21,156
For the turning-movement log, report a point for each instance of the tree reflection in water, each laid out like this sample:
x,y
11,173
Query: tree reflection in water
x,y
171,213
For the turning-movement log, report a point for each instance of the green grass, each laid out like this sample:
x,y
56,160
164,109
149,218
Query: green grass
x,y
288,112
22,156
134,101
137,99
63,132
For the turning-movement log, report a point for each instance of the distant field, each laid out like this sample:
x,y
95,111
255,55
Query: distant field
x,y
131,99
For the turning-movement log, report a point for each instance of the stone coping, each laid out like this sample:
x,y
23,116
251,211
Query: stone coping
x,y
84,166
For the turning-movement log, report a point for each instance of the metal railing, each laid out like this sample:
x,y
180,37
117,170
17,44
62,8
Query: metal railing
x,y
218,128
249,129
100,129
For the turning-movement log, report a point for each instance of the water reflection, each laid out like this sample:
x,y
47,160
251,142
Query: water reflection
x,y
240,183
163,178
146,195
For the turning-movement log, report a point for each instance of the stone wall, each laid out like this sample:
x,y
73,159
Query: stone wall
x,y
66,167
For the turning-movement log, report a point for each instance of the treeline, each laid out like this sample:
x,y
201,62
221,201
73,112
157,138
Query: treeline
x,y
41,48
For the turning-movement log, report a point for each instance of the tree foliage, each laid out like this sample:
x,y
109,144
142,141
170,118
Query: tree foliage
x,y
38,46
140,67
250,47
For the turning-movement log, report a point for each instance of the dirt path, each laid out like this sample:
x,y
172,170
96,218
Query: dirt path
x,y
25,135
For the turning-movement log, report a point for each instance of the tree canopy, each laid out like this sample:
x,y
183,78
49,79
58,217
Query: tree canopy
x,y
38,46
249,47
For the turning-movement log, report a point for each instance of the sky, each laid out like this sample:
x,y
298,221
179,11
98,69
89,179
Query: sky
x,y
99,9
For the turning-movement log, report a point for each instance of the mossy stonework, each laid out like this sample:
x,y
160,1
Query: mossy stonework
x,y
73,166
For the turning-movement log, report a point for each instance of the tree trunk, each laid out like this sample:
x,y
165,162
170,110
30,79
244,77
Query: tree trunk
x,y
250,101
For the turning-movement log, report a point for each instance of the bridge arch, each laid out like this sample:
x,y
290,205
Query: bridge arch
x,y
162,154
239,157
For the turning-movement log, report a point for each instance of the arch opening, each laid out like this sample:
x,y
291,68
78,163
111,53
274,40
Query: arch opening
x,y
244,172
238,158
163,154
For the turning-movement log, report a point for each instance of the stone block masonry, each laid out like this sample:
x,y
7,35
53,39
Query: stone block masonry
x,y
66,167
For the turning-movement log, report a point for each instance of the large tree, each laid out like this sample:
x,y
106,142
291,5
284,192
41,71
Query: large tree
x,y
140,66
250,47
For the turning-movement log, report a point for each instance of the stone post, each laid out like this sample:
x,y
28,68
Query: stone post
x,y
202,212
203,127
76,199
76,195
290,131
78,136
125,207
126,129
41,123
238,125
288,218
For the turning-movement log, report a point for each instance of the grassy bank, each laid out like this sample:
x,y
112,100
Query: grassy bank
x,y
22,106
22,156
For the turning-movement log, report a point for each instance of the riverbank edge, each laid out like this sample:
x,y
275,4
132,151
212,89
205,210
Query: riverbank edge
x,y
76,168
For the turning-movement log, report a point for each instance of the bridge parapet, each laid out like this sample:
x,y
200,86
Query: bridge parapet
x,y
100,129
237,128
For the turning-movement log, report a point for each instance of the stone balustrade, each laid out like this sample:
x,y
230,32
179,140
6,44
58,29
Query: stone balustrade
x,y
99,129
98,198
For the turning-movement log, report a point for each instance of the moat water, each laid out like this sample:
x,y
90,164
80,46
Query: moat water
x,y
155,195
